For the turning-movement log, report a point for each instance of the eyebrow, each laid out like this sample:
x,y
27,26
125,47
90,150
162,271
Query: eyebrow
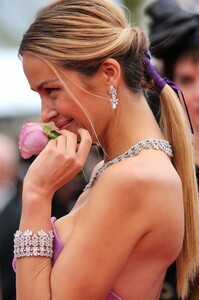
x,y
40,86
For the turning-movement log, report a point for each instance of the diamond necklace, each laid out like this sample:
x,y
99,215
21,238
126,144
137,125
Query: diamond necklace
x,y
156,144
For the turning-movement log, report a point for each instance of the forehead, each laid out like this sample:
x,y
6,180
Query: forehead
x,y
35,68
38,71
186,64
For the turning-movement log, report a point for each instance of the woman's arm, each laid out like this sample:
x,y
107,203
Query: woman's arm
x,y
58,163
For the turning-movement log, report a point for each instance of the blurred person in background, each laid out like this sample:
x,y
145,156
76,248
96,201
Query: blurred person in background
x,y
10,209
174,35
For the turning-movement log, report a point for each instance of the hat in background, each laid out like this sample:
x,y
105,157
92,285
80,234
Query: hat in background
x,y
172,30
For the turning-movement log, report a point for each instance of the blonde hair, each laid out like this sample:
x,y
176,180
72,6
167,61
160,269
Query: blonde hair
x,y
80,35
176,130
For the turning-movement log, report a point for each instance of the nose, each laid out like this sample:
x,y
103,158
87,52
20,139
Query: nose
x,y
48,112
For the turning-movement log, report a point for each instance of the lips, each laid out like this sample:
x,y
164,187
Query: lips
x,y
64,124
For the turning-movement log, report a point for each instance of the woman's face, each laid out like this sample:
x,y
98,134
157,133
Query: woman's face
x,y
186,76
58,105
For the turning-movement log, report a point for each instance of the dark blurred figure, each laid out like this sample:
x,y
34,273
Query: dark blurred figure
x,y
1,292
174,35
10,209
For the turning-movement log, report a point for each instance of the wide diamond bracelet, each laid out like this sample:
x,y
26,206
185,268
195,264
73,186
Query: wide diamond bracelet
x,y
27,244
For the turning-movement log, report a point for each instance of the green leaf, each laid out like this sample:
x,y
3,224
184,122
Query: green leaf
x,y
47,129
53,134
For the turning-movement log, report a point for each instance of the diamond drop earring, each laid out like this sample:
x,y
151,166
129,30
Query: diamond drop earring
x,y
113,93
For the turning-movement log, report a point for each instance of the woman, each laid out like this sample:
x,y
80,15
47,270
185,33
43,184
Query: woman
x,y
174,37
138,212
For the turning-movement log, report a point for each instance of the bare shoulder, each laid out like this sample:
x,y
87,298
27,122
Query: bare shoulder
x,y
138,181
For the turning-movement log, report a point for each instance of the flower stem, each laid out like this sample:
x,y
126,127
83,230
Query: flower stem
x,y
53,134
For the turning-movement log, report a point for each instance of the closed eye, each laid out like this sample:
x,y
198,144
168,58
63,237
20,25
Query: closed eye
x,y
49,91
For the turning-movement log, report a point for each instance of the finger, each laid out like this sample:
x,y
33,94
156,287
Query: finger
x,y
61,141
65,132
51,143
85,144
71,142
70,139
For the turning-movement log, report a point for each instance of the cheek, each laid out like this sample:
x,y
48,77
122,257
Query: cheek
x,y
188,94
69,107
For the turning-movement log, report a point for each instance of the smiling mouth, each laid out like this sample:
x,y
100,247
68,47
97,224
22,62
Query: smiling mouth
x,y
63,125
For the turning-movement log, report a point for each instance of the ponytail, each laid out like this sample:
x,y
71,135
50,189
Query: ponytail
x,y
176,130
175,127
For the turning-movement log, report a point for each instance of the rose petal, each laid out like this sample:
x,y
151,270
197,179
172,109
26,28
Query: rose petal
x,y
32,139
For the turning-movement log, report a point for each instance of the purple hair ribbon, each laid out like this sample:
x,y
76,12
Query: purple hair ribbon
x,y
159,84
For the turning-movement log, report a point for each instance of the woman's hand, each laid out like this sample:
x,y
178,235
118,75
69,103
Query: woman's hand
x,y
60,161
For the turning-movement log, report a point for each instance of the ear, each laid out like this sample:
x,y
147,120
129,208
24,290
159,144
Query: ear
x,y
111,71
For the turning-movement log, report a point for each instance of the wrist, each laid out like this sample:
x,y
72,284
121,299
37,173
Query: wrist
x,y
36,193
36,211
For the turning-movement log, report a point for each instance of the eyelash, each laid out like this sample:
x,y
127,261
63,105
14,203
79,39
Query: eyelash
x,y
51,90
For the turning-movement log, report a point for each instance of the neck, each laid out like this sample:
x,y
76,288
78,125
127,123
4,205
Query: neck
x,y
133,122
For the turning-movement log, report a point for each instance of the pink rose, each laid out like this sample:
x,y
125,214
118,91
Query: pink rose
x,y
32,139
